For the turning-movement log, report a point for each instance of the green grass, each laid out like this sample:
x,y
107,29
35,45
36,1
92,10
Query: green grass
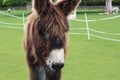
x,y
97,59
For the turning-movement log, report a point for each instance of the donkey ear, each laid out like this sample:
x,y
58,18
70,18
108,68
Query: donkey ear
x,y
67,6
40,5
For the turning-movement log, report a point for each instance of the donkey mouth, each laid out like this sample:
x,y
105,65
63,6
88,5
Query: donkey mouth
x,y
57,66
54,67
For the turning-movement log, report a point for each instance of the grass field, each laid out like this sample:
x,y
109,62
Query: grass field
x,y
97,59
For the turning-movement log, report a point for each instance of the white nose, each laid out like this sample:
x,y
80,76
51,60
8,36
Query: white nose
x,y
56,59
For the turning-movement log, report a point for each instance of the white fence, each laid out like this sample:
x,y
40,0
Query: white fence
x,y
96,31
11,25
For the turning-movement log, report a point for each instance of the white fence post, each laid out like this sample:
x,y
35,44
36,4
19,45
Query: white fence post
x,y
88,32
23,19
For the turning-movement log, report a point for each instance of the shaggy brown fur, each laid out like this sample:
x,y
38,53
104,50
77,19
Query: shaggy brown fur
x,y
46,29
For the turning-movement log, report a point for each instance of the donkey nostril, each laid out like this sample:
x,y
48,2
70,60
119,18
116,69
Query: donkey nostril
x,y
57,66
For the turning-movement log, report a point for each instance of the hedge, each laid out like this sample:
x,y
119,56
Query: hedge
x,y
12,3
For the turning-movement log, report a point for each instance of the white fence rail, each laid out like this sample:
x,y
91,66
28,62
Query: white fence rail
x,y
88,30
100,32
